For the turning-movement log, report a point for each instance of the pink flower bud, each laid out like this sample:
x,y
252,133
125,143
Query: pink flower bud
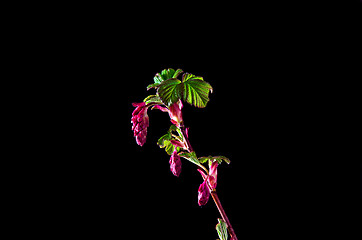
x,y
140,122
178,144
176,113
175,164
163,109
204,193
212,177
204,176
213,174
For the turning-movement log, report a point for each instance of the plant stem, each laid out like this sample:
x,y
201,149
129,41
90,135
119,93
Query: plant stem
x,y
223,214
212,191
188,145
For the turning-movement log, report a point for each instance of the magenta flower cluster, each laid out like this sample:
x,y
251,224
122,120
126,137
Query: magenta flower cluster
x,y
140,122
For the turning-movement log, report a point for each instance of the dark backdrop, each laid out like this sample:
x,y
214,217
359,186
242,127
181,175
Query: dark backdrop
x,y
278,111
112,186
266,114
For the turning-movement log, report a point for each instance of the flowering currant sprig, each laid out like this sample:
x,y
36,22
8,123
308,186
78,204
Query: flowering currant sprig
x,y
170,95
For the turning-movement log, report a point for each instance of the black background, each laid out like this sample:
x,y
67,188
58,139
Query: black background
x,y
264,114
269,114
111,186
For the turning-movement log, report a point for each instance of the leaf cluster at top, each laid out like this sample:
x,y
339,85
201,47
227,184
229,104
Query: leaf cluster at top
x,y
192,89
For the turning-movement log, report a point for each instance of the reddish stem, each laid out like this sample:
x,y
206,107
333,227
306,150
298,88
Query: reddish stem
x,y
188,145
213,193
223,214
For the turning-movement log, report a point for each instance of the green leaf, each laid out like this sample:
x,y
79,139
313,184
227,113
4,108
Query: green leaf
x,y
221,229
177,72
166,74
157,78
169,147
219,159
188,76
161,141
152,99
191,89
164,141
170,73
163,76
191,156
212,159
204,159
196,91
170,91
172,128
154,85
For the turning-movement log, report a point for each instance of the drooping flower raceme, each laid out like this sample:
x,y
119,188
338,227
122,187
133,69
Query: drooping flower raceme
x,y
140,122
